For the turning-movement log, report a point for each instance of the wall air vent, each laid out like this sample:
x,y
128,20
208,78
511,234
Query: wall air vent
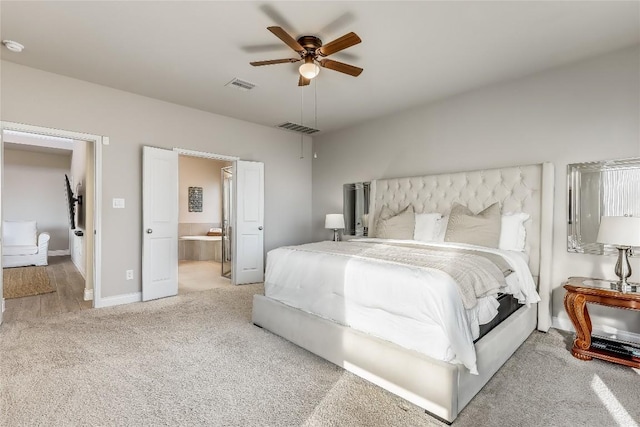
x,y
294,127
240,84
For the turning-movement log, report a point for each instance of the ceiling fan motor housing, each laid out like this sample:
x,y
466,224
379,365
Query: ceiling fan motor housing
x,y
311,44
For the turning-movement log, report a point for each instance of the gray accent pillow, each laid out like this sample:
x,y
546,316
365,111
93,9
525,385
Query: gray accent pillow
x,y
396,226
482,229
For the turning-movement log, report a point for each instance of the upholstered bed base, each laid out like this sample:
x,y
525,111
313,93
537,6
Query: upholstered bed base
x,y
441,388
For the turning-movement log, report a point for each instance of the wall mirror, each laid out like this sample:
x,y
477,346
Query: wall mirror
x,y
356,208
597,189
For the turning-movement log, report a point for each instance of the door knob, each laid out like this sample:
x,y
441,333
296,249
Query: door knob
x,y
149,231
260,228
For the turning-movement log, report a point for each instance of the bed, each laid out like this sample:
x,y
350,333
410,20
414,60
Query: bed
x,y
428,377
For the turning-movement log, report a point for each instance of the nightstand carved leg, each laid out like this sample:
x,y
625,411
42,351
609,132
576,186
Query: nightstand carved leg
x,y
576,307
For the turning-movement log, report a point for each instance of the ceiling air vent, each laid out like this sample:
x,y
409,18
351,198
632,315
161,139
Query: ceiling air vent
x,y
294,127
240,84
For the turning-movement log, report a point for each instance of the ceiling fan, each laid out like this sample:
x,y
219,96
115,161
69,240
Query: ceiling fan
x,y
313,53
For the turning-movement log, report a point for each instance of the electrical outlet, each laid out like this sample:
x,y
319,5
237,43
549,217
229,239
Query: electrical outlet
x,y
129,274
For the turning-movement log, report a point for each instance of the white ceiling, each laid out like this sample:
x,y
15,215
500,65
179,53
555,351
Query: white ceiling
x,y
412,52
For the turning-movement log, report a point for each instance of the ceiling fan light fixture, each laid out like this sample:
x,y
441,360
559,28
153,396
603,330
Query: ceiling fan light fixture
x,y
309,69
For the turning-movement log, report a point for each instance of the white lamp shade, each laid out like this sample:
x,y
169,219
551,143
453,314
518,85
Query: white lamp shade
x,y
309,70
619,230
334,221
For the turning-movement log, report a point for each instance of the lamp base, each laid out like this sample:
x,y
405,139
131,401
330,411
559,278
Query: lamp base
x,y
623,269
336,236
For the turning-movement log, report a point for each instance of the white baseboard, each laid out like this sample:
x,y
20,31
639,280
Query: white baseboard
x,y
80,268
120,299
59,252
610,332
88,294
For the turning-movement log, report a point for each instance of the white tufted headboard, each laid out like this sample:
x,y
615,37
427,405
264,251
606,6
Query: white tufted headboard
x,y
526,189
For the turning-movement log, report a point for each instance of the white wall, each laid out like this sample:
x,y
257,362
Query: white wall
x,y
582,112
45,99
205,173
34,190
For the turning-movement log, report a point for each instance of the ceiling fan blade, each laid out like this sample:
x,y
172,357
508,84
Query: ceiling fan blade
x,y
285,37
274,61
341,67
337,45
302,81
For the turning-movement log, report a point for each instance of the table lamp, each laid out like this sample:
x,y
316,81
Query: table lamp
x,y
623,232
335,222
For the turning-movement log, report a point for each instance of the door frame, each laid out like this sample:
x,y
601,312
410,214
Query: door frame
x,y
214,156
98,141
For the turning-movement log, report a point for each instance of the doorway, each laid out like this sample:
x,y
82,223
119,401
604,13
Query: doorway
x,y
203,227
51,181
160,219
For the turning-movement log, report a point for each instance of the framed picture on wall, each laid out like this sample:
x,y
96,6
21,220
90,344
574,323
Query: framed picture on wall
x,y
195,199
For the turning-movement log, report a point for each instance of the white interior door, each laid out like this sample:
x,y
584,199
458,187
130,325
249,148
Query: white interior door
x,y
159,223
248,263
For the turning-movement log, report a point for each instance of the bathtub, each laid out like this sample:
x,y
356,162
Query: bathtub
x,y
200,248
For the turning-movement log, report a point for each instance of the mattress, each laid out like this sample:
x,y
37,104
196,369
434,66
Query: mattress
x,y
416,307
507,305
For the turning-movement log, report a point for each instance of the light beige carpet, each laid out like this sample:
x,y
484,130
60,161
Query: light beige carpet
x,y
196,359
21,282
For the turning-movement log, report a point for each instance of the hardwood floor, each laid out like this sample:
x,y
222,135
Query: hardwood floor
x,y
69,295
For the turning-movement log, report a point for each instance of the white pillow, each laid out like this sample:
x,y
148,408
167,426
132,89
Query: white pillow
x,y
426,227
513,235
441,228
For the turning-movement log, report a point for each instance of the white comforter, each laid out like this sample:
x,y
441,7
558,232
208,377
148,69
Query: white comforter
x,y
417,308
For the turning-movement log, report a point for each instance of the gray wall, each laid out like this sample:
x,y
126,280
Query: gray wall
x,y
34,190
582,112
44,99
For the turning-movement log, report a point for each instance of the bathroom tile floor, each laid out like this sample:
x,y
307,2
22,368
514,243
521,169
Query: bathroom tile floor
x,y
194,276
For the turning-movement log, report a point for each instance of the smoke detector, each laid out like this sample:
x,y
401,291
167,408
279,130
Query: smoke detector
x,y
13,46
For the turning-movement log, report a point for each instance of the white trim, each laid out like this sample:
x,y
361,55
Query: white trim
x,y
97,141
21,127
192,153
546,247
59,252
118,300
3,307
80,270
564,324
88,294
97,219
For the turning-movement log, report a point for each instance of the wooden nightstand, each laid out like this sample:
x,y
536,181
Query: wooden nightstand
x,y
583,290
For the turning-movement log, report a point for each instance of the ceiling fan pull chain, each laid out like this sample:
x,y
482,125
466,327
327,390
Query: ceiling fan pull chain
x,y
302,121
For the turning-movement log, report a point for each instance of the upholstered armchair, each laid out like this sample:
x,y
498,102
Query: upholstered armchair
x,y
22,245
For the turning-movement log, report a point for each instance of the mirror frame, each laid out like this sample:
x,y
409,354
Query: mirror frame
x,y
360,228
574,180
